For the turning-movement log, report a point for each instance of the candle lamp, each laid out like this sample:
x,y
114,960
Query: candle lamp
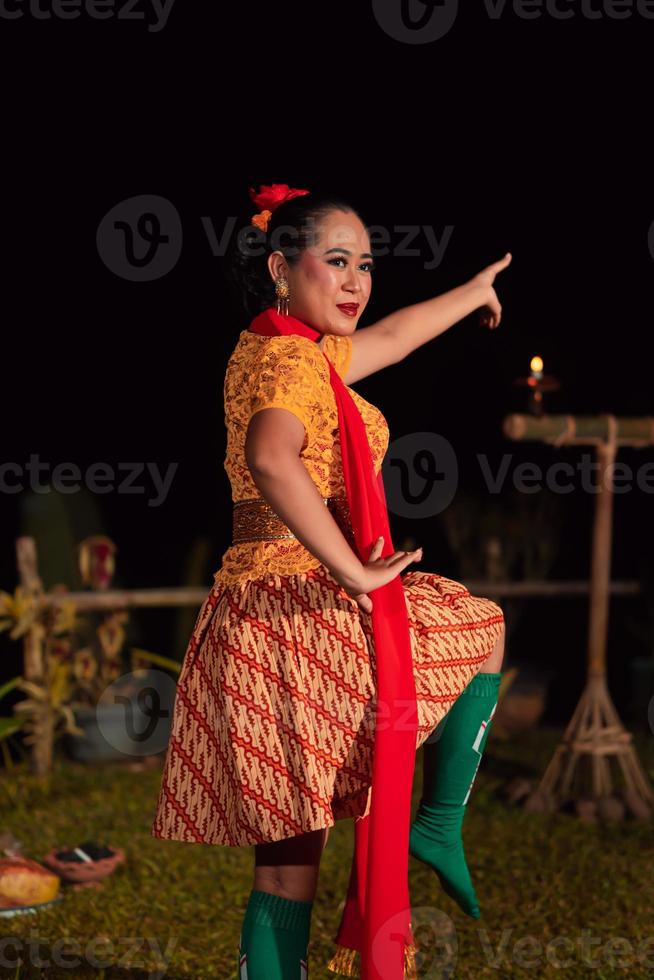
x,y
537,383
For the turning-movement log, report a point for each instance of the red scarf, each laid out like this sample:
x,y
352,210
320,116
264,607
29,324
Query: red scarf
x,y
376,918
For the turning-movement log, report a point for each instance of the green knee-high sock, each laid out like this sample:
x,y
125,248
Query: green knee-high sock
x,y
450,762
274,939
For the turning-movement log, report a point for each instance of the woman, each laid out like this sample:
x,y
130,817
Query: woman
x,y
274,735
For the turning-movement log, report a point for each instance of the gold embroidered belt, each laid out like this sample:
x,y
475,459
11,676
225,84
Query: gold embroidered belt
x,y
255,520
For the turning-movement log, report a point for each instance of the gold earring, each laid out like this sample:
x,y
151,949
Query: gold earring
x,y
282,290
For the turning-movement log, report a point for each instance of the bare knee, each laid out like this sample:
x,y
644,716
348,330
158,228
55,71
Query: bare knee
x,y
494,660
295,886
289,868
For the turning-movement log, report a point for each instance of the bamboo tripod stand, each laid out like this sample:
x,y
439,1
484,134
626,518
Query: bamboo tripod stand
x,y
595,733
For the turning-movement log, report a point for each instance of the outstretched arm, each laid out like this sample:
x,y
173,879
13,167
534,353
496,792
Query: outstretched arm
x,y
394,337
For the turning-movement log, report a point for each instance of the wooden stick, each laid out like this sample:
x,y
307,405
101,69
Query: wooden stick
x,y
595,729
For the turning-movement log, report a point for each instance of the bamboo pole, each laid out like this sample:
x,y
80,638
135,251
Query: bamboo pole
x,y
129,598
30,581
595,731
193,596
41,736
580,430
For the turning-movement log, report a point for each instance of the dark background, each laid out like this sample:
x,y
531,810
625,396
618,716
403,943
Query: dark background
x,y
524,135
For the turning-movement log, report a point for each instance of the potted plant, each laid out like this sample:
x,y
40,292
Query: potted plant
x,y
82,658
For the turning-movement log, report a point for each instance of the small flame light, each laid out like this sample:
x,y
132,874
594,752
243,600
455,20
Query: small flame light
x,y
537,383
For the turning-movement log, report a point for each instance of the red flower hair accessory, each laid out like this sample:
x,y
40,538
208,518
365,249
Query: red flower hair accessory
x,y
269,198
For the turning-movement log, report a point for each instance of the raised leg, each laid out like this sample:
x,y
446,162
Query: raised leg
x,y
451,758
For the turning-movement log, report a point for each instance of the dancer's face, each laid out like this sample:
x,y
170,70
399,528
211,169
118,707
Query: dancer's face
x,y
336,269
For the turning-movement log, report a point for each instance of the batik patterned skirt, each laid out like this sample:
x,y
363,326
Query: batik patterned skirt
x,y
273,726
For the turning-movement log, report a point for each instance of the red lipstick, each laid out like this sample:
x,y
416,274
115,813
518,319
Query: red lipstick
x,y
350,309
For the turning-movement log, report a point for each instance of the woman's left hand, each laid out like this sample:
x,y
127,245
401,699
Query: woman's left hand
x,y
490,314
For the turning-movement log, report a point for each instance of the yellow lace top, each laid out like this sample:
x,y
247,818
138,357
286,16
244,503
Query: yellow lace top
x,y
289,372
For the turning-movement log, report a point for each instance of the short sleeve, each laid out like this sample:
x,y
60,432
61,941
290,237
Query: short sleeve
x,y
285,375
339,351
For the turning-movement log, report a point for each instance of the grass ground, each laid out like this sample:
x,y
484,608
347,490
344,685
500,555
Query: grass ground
x,y
558,897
